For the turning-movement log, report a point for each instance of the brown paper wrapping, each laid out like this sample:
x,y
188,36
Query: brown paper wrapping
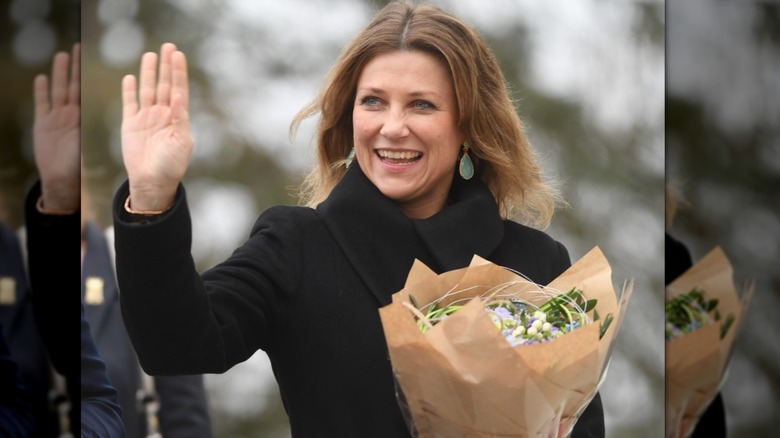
x,y
696,362
461,378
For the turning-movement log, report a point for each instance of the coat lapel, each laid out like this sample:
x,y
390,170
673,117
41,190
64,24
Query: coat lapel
x,y
381,243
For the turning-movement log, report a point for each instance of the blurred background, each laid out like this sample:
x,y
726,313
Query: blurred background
x,y
589,80
30,33
723,159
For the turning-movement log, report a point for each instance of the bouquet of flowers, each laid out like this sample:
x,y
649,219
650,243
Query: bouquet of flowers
x,y
703,318
484,352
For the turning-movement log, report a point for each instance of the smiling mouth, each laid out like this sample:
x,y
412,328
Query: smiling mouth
x,y
400,158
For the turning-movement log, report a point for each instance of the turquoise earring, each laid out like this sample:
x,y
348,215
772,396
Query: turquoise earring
x,y
350,158
466,167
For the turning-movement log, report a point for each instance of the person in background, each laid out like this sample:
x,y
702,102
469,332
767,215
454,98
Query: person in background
x,y
16,416
45,388
421,155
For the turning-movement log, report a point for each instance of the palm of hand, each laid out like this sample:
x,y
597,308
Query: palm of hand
x,y
156,136
56,137
154,148
56,131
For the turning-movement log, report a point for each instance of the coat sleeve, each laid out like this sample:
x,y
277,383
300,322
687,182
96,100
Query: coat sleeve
x,y
181,322
54,240
183,408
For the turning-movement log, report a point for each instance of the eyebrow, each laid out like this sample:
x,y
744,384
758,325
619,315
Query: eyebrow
x,y
377,90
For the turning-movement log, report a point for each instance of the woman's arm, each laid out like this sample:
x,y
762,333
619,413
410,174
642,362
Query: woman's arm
x,y
183,323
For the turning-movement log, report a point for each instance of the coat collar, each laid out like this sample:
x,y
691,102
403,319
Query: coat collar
x,y
381,243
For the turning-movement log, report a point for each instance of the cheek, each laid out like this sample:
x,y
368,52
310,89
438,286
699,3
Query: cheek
x,y
363,129
449,146
358,126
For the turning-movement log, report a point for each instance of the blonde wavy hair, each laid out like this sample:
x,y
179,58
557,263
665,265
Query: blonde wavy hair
x,y
488,119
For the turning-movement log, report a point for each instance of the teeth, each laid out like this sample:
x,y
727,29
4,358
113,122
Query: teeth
x,y
405,155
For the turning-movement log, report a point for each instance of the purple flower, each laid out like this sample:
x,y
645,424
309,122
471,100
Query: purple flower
x,y
502,312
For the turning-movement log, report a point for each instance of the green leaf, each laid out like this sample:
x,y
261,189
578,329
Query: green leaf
x,y
726,325
605,325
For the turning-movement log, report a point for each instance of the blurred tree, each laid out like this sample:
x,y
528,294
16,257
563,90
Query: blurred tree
x,y
23,54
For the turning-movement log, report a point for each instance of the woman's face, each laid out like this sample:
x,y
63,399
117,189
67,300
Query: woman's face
x,y
407,141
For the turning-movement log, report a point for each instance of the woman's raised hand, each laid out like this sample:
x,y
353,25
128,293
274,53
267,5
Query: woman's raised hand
x,y
56,132
156,136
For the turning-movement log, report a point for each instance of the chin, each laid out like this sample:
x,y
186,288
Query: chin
x,y
393,193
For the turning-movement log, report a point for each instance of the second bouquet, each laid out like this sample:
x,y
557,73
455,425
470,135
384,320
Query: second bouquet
x,y
484,352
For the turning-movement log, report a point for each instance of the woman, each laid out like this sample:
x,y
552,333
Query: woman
x,y
421,155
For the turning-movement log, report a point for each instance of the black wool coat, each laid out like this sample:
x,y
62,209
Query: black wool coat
x,y
52,241
183,408
21,334
306,288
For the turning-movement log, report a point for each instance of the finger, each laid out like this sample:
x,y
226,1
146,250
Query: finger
x,y
129,97
41,95
74,88
179,83
164,81
147,79
180,118
59,79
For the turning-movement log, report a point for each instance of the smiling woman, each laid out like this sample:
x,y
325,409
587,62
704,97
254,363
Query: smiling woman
x,y
415,93
406,134
459,67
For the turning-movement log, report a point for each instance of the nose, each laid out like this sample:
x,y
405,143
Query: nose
x,y
394,125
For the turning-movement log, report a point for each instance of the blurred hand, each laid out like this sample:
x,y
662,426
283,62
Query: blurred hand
x,y
156,136
56,132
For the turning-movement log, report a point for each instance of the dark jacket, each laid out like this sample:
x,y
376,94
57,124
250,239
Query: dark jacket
x,y
16,415
712,423
21,333
53,243
305,287
183,409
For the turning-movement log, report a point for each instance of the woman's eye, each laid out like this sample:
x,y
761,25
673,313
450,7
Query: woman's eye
x,y
369,101
423,104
